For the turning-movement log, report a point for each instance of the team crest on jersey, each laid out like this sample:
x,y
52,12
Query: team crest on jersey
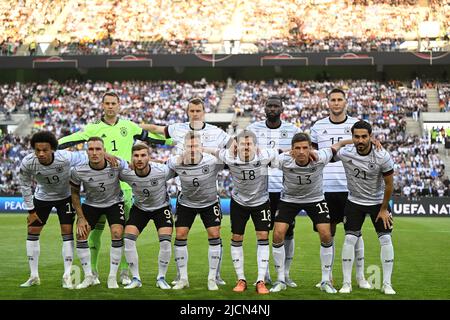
x,y
205,169
372,166
59,169
111,174
257,164
313,169
284,134
154,182
123,131
347,130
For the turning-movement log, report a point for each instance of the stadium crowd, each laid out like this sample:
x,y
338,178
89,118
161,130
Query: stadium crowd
x,y
444,97
121,27
385,105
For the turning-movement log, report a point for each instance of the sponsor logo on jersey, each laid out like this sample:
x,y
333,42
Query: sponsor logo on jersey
x,y
90,179
324,131
123,131
103,136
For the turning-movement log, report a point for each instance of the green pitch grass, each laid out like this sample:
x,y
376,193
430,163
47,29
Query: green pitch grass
x,y
421,269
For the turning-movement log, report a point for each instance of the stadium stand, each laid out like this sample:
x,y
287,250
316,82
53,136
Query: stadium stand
x,y
118,27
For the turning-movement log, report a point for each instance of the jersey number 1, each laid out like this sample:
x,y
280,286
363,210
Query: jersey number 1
x,y
114,145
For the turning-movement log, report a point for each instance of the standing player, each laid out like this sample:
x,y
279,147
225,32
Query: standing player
x,y
325,133
103,197
276,134
211,137
119,136
151,201
250,197
303,190
51,170
198,177
370,183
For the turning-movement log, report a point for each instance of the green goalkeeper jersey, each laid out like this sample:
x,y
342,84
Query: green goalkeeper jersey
x,y
118,138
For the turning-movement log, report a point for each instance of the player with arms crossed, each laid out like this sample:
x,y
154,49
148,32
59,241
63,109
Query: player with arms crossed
x,y
103,197
151,201
250,198
51,170
324,133
211,137
118,136
277,134
370,183
199,195
303,190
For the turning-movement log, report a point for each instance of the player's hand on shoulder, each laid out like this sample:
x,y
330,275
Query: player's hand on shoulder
x,y
377,143
313,155
113,160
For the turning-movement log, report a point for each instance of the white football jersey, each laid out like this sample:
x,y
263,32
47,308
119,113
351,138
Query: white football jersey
x,y
365,174
198,182
279,138
102,186
149,192
250,179
303,184
325,133
211,136
52,180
